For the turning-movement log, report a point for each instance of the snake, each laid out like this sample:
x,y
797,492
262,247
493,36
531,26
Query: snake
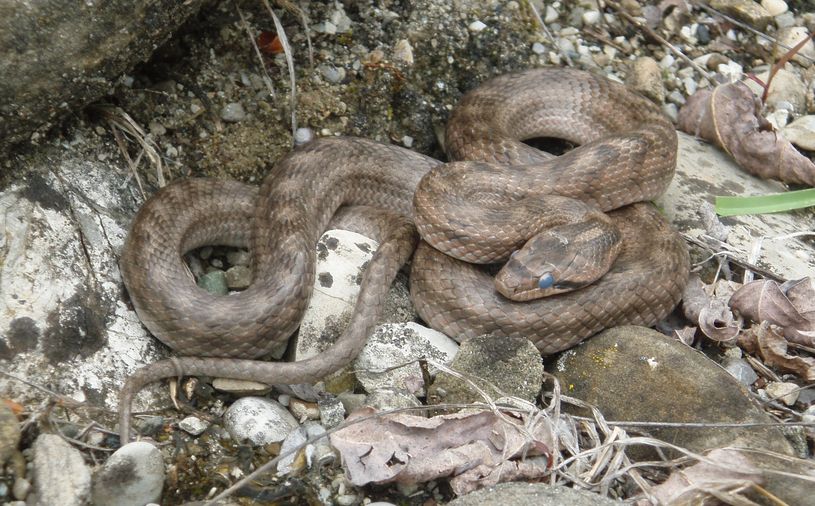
x,y
472,209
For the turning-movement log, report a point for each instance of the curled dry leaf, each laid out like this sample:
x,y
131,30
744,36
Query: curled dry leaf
x,y
724,473
773,349
712,315
790,306
730,116
474,449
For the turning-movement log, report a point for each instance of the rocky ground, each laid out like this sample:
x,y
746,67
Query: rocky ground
x,y
206,103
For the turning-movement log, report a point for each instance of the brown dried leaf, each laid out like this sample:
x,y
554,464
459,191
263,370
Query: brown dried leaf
x,y
730,116
475,449
730,471
711,314
773,350
764,300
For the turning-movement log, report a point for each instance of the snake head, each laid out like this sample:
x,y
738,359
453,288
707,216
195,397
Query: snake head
x,y
558,260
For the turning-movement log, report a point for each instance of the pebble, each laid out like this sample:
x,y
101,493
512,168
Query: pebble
x,y
801,132
60,475
790,36
782,391
476,26
259,421
214,282
193,425
238,277
551,14
303,135
741,370
132,476
20,488
332,74
332,411
304,410
774,7
403,52
319,452
538,48
745,10
591,17
239,257
233,112
645,76
240,387
809,415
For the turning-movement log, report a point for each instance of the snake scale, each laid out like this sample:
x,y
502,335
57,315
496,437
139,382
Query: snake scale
x,y
626,157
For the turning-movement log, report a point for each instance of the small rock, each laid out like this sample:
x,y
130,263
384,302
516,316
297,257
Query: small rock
x,y
214,282
239,257
156,129
233,112
332,411
20,488
538,48
476,26
193,425
397,344
809,415
403,52
326,27
317,453
635,373
512,365
303,135
238,277
132,476
551,14
741,370
240,387
591,17
646,77
259,421
332,74
531,493
60,475
350,401
785,87
304,410
784,392
790,36
801,132
774,7
745,10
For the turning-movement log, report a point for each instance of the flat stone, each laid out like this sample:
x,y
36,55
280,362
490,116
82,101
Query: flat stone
x,y
132,476
193,425
396,344
646,77
704,171
745,10
531,493
512,365
60,475
341,259
637,374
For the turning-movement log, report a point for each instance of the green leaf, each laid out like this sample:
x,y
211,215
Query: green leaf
x,y
799,199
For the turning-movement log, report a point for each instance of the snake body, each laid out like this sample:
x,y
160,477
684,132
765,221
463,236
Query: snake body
x,y
627,155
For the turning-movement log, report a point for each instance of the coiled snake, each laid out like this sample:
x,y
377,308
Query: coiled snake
x,y
626,155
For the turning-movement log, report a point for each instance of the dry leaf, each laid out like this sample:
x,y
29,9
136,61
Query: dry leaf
x,y
474,449
730,116
712,315
772,347
725,472
766,300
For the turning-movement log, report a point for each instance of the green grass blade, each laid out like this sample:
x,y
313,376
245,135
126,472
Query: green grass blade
x,y
799,199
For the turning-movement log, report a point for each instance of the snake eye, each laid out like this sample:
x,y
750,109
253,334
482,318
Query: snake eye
x,y
546,281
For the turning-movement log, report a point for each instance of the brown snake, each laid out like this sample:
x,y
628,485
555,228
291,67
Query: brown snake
x,y
627,154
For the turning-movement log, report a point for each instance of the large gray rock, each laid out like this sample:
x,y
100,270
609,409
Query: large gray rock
x,y
531,493
637,374
132,476
58,56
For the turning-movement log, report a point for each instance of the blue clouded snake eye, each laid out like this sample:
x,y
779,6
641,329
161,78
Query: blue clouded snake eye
x,y
546,281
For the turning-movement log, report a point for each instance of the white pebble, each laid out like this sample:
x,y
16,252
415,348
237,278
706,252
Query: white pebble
x,y
193,425
538,48
775,7
259,421
233,112
591,17
476,26
303,135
